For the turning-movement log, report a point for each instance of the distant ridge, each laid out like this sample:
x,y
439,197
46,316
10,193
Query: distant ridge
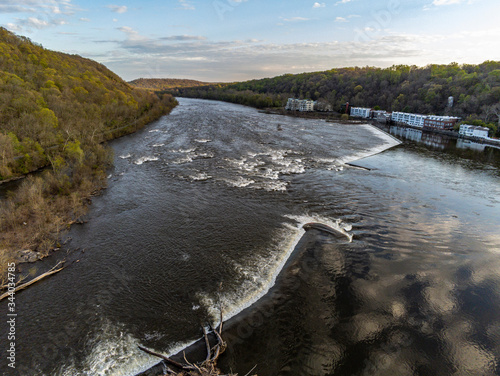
x,y
165,83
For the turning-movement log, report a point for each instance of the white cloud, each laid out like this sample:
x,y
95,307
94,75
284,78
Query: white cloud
x,y
446,2
16,8
84,19
295,19
187,6
201,58
36,23
129,31
197,57
14,27
319,5
341,19
38,14
118,8
183,38
343,2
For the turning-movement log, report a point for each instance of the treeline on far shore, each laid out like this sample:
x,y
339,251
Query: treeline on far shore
x,y
56,111
424,90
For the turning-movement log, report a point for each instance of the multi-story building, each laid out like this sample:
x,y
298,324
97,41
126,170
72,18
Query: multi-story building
x,y
299,105
292,104
306,105
440,122
361,112
415,120
424,121
473,131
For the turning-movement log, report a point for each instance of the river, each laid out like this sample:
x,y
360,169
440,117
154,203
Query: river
x,y
214,194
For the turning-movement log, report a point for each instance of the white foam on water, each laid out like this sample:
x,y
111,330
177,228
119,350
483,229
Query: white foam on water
x,y
186,159
202,155
202,176
116,353
183,151
158,145
241,182
260,275
291,166
125,156
145,159
269,173
274,186
154,130
203,141
335,168
244,165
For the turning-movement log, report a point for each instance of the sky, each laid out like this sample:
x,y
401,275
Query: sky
x,y
237,40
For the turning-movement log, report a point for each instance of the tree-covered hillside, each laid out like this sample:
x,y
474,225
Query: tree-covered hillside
x,y
49,100
475,88
164,83
56,110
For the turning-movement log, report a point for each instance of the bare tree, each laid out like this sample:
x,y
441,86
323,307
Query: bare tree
x,y
495,109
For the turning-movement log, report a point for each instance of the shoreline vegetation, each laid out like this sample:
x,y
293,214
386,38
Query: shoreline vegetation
x,y
475,89
57,113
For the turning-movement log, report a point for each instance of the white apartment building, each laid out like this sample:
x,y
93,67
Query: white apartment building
x,y
473,131
420,121
361,112
306,105
299,104
292,104
416,120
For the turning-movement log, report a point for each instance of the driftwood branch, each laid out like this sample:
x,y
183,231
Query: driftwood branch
x,y
206,368
207,343
166,359
34,280
249,372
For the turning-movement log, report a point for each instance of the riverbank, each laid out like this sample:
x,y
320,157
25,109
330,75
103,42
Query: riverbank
x,y
45,205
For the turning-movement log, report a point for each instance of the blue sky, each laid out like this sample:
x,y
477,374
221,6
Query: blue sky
x,y
234,40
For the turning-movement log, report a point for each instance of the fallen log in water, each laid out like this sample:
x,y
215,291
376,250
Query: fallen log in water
x,y
206,368
34,280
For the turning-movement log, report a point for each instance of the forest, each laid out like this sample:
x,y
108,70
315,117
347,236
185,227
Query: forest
x,y
165,83
425,90
56,111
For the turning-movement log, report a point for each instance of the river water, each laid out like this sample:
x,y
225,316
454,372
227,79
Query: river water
x,y
208,204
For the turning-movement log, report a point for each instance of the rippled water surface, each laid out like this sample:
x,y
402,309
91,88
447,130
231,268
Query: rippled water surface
x,y
215,193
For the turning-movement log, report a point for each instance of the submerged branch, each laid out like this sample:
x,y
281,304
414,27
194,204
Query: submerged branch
x,y
206,368
34,280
